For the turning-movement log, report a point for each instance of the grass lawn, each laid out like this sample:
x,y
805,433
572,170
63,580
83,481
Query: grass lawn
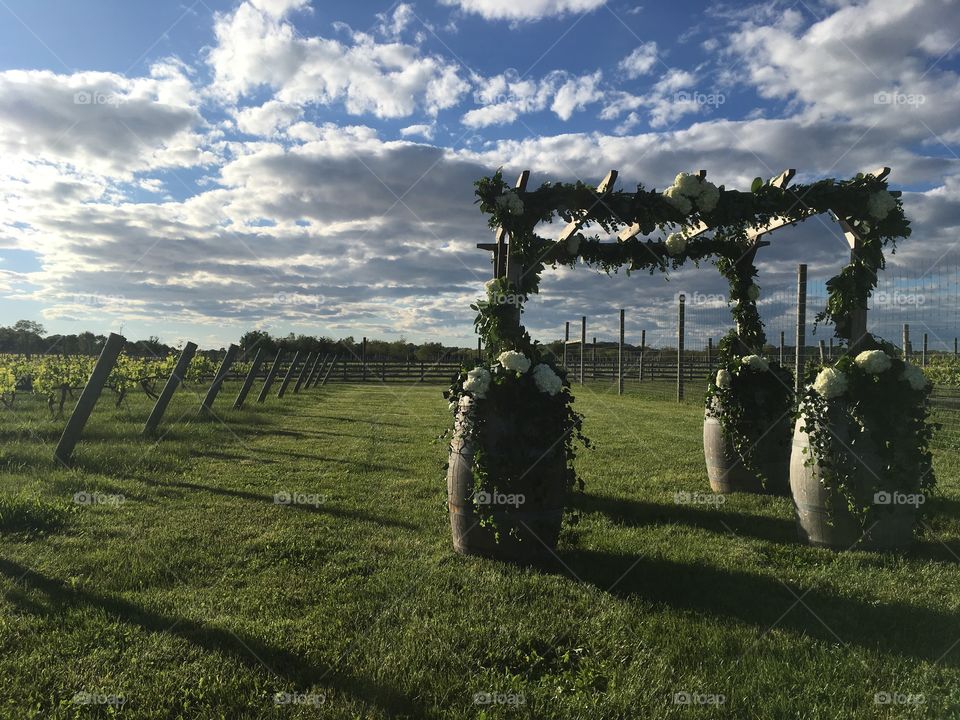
x,y
197,596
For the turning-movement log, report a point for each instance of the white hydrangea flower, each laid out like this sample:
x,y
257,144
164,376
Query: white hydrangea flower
x,y
689,185
511,202
452,406
477,382
678,200
830,383
873,361
709,196
753,292
516,361
914,375
676,243
573,244
547,380
723,379
880,204
490,286
755,363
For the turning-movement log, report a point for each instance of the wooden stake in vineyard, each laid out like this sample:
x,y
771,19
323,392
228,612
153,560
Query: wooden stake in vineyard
x,y
88,398
173,382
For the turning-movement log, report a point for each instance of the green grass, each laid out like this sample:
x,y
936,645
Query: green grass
x,y
191,594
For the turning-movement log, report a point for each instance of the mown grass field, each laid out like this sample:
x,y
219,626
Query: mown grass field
x,y
199,597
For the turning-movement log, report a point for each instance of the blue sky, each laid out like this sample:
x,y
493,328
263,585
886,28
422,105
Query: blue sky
x,y
196,169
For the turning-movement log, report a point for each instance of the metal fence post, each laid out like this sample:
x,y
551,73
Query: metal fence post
x,y
680,321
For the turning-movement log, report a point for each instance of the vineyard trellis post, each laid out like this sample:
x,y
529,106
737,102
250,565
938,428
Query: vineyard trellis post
x,y
271,376
301,378
218,379
88,398
823,351
709,354
313,371
906,342
248,380
782,347
329,370
583,343
801,325
363,360
643,347
566,344
593,371
680,321
289,376
169,388
318,373
620,356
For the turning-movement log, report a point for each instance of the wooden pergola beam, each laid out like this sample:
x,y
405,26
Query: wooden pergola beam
x,y
605,186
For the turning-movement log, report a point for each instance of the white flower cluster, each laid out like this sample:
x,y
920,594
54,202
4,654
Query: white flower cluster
x,y
830,383
477,382
753,292
688,190
479,379
914,375
515,361
490,286
755,363
676,243
724,378
880,204
511,202
873,361
547,380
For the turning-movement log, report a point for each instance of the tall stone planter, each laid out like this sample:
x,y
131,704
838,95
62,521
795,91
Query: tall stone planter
x,y
527,517
823,516
727,471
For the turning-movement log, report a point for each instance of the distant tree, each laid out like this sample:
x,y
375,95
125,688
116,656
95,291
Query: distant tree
x,y
253,340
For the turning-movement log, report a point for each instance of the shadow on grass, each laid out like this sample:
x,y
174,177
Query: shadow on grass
x,y
290,667
766,602
360,466
322,509
635,513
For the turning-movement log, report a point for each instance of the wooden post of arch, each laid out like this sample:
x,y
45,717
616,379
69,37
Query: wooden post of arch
x,y
620,356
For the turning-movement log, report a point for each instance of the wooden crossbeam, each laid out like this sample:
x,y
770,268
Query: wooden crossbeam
x,y
605,186
634,230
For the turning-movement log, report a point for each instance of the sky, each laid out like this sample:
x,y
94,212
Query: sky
x,y
197,169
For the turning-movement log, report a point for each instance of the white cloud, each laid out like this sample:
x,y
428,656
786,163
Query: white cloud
x,y
524,9
102,122
424,131
268,119
847,64
640,61
506,97
388,80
